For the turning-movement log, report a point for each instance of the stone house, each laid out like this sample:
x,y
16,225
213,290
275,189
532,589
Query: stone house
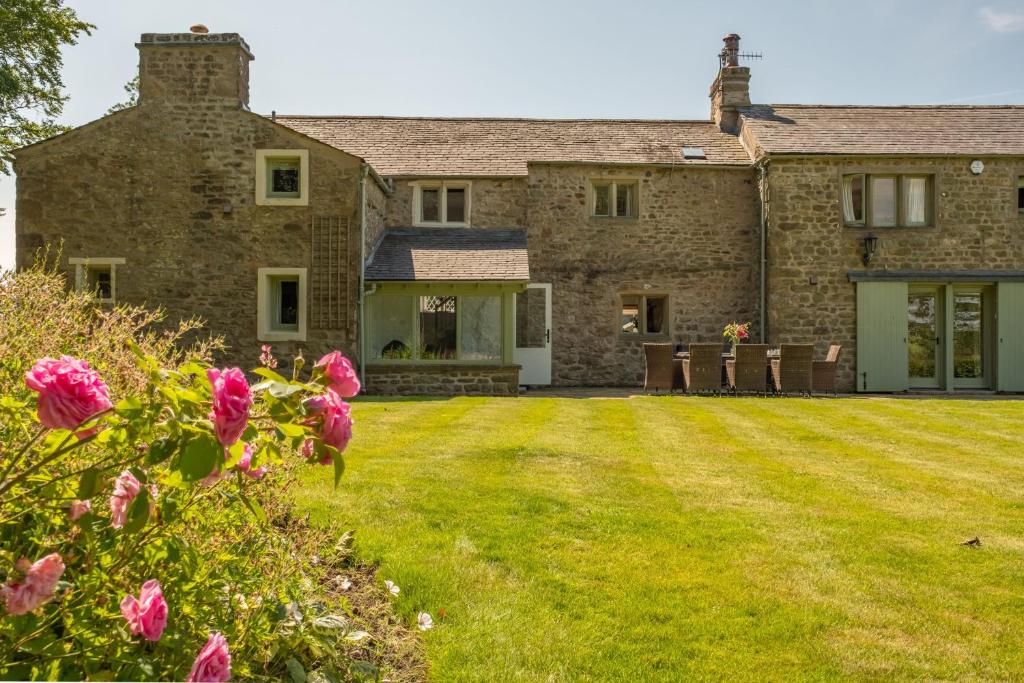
x,y
476,255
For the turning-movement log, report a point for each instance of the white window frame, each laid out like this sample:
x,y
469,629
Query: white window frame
x,y
613,185
443,186
82,266
263,158
265,300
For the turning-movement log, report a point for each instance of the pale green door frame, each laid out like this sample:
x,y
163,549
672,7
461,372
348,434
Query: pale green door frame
x,y
1010,336
882,337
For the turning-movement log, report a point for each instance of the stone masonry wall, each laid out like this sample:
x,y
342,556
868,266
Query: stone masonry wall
x,y
442,380
810,251
170,188
696,240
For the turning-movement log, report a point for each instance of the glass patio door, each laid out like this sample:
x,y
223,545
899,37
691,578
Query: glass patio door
x,y
971,332
924,338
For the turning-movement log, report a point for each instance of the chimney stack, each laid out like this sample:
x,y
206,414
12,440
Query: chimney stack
x,y
199,66
731,89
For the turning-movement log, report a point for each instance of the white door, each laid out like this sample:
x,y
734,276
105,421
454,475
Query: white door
x,y
532,315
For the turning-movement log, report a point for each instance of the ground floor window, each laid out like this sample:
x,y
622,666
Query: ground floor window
x,y
435,327
644,314
97,276
281,304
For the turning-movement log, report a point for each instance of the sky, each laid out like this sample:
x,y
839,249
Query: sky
x,y
554,58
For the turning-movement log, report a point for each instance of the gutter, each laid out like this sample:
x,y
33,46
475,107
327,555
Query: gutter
x,y
364,171
762,173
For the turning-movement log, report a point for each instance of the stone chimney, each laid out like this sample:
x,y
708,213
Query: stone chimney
x,y
212,68
731,88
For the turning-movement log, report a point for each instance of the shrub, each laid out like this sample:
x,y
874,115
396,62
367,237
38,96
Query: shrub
x,y
137,516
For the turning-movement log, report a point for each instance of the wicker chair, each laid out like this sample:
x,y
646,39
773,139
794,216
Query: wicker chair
x,y
749,371
791,374
702,371
823,372
663,371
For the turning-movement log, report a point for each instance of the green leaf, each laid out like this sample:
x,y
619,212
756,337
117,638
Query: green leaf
x,y
296,671
339,467
199,457
168,509
194,369
254,506
161,449
129,408
235,453
269,374
290,430
330,622
88,485
138,512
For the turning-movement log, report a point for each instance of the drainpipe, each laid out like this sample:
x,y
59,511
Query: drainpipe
x,y
762,181
364,171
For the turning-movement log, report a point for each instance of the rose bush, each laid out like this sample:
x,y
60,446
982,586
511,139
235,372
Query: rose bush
x,y
134,498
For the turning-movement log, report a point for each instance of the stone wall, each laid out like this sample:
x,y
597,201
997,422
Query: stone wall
x,y
442,380
169,186
696,239
810,251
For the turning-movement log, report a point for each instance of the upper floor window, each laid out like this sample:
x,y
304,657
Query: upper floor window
x,y
441,203
887,200
614,199
1020,194
98,276
282,177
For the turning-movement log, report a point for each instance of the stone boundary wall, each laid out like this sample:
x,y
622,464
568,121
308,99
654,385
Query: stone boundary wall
x,y
442,380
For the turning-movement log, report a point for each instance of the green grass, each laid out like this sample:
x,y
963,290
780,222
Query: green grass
x,y
667,538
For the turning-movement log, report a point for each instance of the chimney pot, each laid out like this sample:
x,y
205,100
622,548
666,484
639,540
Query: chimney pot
x,y
198,28
731,51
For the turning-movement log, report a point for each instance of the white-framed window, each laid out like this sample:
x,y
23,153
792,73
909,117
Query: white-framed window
x,y
97,275
614,198
644,315
443,202
281,302
282,177
428,328
887,200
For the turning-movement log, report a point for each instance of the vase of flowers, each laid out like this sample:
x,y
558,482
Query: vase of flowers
x,y
736,333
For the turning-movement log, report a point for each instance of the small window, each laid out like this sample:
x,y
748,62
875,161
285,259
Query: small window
x,y
281,300
1020,194
644,315
616,199
441,203
282,177
98,276
887,200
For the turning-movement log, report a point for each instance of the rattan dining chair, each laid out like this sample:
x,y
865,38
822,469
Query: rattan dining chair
x,y
662,370
823,372
702,371
749,372
791,373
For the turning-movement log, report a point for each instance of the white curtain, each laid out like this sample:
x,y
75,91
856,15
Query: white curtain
x,y
848,198
916,193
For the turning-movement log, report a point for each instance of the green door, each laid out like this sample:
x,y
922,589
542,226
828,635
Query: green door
x,y
1010,336
882,336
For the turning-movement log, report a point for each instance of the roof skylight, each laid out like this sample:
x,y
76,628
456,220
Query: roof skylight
x,y
693,153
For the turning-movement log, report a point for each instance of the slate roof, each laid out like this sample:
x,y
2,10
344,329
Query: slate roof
x,y
932,129
397,146
440,254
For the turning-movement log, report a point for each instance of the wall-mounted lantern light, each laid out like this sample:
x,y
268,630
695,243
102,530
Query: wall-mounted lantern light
x,y
870,243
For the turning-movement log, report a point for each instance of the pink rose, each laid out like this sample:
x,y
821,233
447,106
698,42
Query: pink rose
x,y
334,417
231,402
69,392
309,450
245,461
79,508
125,489
148,614
213,663
342,376
37,589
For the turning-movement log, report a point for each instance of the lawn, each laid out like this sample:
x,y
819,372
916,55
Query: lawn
x,y
669,537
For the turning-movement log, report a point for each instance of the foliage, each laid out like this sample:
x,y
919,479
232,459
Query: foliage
x,y
32,33
222,546
131,88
